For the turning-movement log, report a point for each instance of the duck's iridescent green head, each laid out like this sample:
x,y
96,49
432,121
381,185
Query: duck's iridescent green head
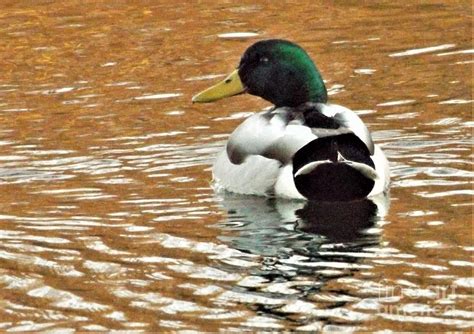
x,y
278,71
281,72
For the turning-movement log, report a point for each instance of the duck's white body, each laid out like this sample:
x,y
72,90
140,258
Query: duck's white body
x,y
258,158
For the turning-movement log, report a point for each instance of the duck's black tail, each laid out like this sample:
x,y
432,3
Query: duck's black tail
x,y
335,168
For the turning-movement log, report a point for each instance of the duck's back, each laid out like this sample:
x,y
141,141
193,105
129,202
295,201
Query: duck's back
x,y
294,153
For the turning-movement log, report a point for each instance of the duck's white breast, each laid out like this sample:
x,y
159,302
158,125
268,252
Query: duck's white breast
x,y
256,176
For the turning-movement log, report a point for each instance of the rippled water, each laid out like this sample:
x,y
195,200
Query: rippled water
x,y
107,218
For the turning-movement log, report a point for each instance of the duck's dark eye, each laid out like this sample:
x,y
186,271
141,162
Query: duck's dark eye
x,y
264,59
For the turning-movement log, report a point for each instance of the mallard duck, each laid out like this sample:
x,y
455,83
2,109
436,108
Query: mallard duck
x,y
303,147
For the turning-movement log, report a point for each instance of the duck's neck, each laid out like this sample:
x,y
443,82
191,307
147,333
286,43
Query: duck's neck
x,y
314,118
316,90
304,82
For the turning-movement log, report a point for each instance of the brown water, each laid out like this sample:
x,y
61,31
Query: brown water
x,y
107,219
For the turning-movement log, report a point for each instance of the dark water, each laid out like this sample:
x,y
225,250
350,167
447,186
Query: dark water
x,y
107,218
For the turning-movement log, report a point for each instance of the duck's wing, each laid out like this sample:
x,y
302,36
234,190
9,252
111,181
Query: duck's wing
x,y
257,150
349,121
278,134
275,135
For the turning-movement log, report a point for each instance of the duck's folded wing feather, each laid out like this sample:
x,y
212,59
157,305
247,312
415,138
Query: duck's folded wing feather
x,y
273,135
349,120
253,136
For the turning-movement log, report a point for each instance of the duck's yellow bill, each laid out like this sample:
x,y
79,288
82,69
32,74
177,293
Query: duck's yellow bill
x,y
228,87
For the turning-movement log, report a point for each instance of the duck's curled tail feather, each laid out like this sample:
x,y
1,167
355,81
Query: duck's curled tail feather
x,y
335,168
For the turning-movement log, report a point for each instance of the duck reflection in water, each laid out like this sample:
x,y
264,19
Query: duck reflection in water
x,y
337,221
267,226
